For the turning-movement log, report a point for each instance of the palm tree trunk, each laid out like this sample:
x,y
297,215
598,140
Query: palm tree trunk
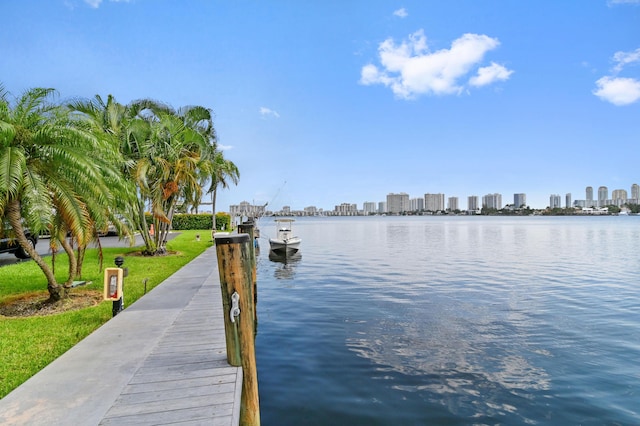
x,y
56,291
149,243
214,195
73,263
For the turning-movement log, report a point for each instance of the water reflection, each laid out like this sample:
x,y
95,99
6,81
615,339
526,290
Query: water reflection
x,y
460,320
473,364
287,268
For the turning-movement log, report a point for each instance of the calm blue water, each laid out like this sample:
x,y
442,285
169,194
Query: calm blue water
x,y
452,321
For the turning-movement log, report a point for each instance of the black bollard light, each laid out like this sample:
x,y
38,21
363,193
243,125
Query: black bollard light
x,y
118,305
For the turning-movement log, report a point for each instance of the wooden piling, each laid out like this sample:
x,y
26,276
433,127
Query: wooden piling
x,y
249,228
234,264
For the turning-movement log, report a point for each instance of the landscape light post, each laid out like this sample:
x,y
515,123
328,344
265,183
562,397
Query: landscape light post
x,y
118,305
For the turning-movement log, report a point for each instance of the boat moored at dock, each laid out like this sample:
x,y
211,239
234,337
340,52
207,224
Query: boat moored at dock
x,y
284,242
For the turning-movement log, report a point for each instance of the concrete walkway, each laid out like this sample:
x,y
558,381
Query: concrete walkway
x,y
160,361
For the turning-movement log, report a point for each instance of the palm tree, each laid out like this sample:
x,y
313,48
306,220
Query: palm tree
x,y
168,168
221,171
55,174
166,152
129,129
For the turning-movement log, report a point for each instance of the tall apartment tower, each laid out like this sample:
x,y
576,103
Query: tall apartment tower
x,y
567,200
473,202
589,194
434,202
619,194
453,204
369,207
382,207
492,201
519,200
603,195
635,192
416,204
555,201
397,203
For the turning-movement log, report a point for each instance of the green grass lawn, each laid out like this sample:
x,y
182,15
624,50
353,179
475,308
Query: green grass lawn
x,y
29,344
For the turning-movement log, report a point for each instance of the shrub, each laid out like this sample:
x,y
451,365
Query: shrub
x,y
223,221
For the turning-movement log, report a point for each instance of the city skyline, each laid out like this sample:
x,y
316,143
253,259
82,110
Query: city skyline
x,y
319,103
404,202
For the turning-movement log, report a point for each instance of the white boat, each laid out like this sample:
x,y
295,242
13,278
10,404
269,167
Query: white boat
x,y
284,242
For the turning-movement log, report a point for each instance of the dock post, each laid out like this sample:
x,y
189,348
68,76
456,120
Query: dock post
x,y
236,285
248,227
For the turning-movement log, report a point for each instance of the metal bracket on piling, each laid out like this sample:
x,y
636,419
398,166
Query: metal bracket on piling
x,y
235,308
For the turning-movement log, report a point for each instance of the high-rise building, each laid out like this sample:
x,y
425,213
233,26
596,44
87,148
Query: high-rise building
x,y
567,200
246,209
382,207
453,204
519,200
369,207
619,194
473,202
589,192
416,204
434,202
397,203
635,192
603,195
346,209
555,201
492,201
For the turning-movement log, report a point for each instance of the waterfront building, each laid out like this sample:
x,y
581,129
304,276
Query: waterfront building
x,y
492,201
369,207
346,209
603,195
246,209
416,204
589,193
619,194
519,200
397,203
555,201
434,202
473,203
382,207
635,193
567,200
452,203
311,211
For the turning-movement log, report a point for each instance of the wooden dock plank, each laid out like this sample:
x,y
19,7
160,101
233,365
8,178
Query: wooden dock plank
x,y
186,378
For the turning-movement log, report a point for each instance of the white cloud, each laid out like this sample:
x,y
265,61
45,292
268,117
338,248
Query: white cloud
x,y
619,91
401,13
490,74
96,3
266,112
625,58
224,147
411,69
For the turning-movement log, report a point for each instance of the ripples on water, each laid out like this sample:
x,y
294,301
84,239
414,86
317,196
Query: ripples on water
x,y
463,320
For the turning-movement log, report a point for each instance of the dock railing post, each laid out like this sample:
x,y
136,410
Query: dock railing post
x,y
236,284
248,227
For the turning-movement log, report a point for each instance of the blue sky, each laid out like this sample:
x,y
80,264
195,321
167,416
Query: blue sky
x,y
327,102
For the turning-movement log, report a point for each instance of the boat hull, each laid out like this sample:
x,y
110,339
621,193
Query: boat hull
x,y
290,245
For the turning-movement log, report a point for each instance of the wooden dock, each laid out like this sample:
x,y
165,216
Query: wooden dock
x,y
161,361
